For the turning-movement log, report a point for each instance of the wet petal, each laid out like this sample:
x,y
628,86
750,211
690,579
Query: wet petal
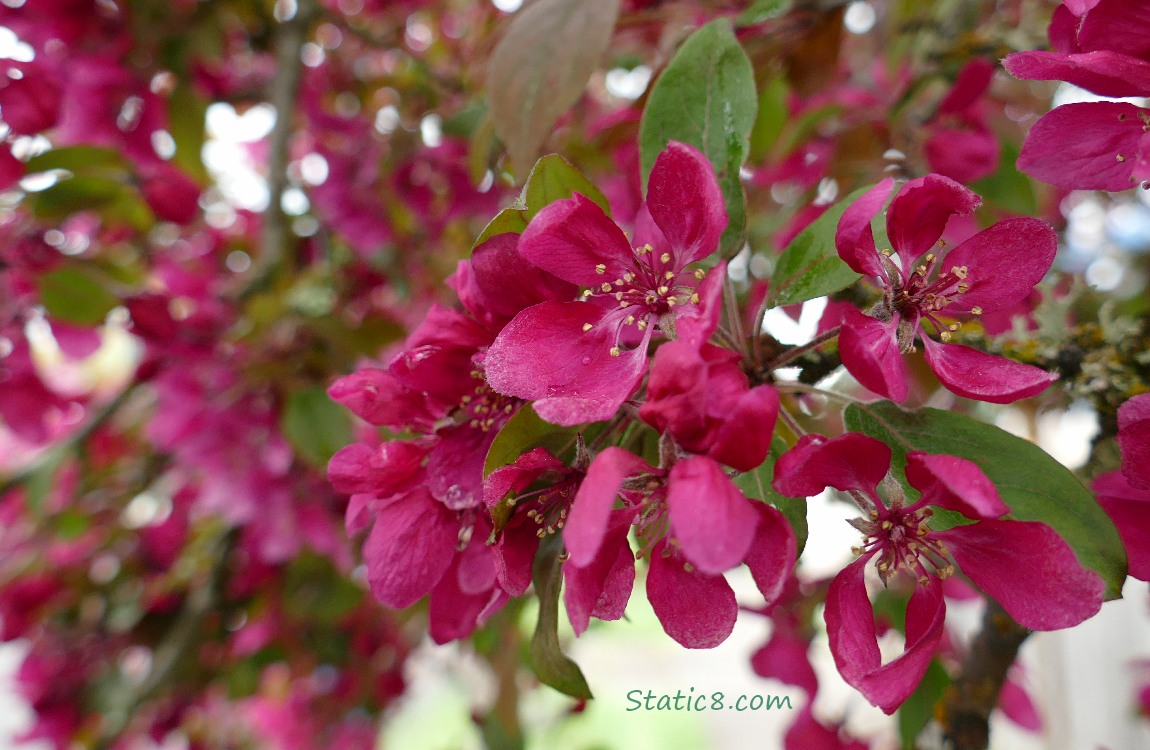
x,y
984,377
696,609
686,203
1029,569
954,483
713,522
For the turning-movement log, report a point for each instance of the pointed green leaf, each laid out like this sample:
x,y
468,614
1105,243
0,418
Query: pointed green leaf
x,y
315,425
810,267
549,663
75,295
1034,485
706,98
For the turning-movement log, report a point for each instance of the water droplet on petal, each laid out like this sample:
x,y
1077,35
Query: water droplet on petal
x,y
586,360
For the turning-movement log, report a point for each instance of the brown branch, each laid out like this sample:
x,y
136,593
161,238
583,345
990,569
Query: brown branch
x,y
966,706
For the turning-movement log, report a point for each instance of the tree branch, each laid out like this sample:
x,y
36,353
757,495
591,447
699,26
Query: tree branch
x,y
966,706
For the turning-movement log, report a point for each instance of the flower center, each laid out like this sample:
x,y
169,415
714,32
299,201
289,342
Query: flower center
x,y
918,297
903,541
484,408
549,507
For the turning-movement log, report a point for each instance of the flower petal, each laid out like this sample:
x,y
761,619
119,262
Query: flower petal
x,y
382,471
954,483
854,640
870,352
1004,262
1029,569
713,522
1129,509
1103,131
591,509
695,609
508,283
1134,440
571,238
771,557
1103,72
602,588
851,461
984,377
744,438
544,354
686,203
410,547
784,658
854,238
919,213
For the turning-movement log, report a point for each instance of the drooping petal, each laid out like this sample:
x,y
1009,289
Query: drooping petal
x,y
696,609
409,548
1103,132
870,352
574,240
848,462
452,612
784,658
918,214
854,238
713,522
1103,72
1129,508
854,640
969,86
686,203
602,588
964,154
954,483
545,355
984,377
744,438
697,323
771,557
591,509
1015,702
1029,569
1004,262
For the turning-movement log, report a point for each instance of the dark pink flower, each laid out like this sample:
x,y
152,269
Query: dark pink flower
x,y
1125,495
1092,145
693,524
960,144
579,361
1025,566
1134,440
924,286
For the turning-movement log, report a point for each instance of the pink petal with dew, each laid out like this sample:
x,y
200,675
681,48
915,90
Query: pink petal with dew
x,y
870,351
984,377
954,483
854,639
848,462
1029,569
686,203
696,609
712,521
1077,146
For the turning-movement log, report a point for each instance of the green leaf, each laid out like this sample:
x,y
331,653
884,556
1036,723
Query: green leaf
x,y
315,425
1034,485
771,119
918,710
757,484
524,431
1007,187
75,159
552,178
75,295
763,10
706,98
549,663
810,267
186,116
541,66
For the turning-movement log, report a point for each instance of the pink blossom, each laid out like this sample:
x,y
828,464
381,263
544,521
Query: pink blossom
x,y
1025,566
923,284
579,361
960,144
1125,495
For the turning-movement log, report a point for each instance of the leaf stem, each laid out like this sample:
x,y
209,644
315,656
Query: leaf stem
x,y
795,352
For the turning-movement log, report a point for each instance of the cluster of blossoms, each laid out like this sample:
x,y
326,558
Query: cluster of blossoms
x,y
563,318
